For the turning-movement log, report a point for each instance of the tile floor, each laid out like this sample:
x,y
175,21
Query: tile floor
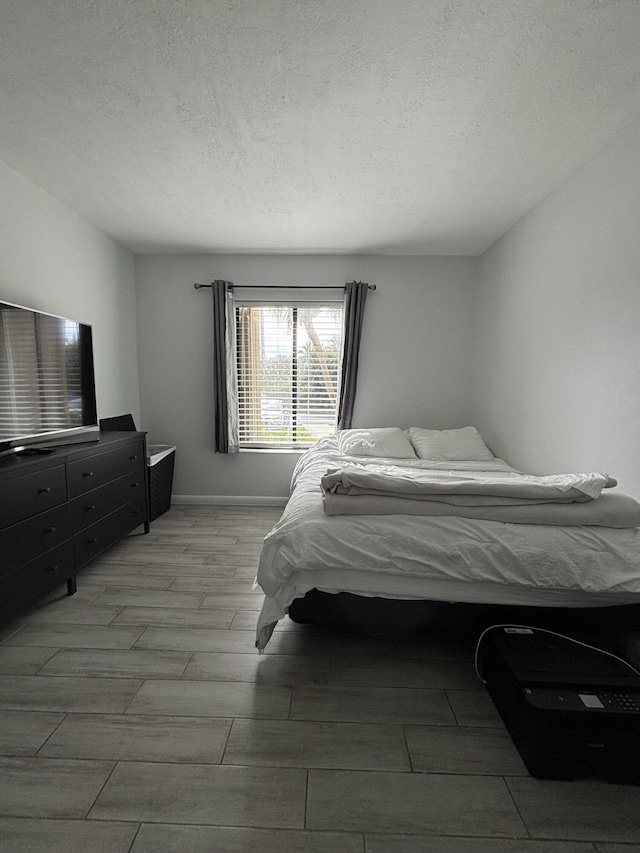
x,y
137,717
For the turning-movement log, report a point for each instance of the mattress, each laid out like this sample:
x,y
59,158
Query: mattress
x,y
443,558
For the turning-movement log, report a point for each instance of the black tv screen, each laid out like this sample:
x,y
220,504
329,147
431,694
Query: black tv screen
x,y
46,376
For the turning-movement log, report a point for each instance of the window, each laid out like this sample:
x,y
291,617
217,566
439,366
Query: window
x,y
285,371
288,363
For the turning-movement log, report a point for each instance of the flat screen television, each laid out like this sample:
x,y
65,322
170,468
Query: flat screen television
x,y
47,386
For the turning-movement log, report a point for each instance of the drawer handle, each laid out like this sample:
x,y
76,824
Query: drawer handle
x,y
92,541
44,490
132,458
49,530
135,511
51,569
90,508
134,485
88,474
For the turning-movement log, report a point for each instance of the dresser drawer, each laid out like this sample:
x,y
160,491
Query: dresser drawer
x,y
30,494
91,472
94,539
91,507
23,542
37,578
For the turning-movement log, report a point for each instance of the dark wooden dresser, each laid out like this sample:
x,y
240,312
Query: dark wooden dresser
x,y
60,510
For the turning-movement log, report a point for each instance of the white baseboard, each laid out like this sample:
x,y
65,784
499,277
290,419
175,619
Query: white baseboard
x,y
229,500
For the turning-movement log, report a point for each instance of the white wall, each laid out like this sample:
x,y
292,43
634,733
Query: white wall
x,y
414,357
54,260
557,356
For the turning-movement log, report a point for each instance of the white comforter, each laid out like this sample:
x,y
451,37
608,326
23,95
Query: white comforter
x,y
436,557
463,487
563,499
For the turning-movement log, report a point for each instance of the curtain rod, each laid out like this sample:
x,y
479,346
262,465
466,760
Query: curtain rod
x,y
285,286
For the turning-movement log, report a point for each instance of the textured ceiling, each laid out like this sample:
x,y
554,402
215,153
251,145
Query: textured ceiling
x,y
386,126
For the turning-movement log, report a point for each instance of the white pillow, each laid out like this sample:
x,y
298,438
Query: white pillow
x,y
384,441
449,445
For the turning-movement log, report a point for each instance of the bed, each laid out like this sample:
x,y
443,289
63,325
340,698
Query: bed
x,y
433,515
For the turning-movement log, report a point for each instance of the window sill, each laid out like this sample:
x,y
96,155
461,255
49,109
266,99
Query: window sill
x,y
271,450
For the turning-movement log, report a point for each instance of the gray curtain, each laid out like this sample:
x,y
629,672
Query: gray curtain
x,y
354,300
224,368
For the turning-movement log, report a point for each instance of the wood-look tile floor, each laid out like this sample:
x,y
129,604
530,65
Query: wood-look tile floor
x,y
137,717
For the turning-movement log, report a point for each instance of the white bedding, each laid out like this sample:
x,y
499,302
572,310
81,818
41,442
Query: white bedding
x,y
485,488
436,557
396,489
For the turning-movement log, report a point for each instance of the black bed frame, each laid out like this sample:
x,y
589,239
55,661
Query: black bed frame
x,y
618,624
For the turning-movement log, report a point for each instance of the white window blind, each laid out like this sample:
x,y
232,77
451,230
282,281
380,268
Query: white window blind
x,y
288,357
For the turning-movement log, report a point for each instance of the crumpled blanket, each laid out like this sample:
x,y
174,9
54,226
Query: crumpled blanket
x,y
610,510
468,489
561,499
